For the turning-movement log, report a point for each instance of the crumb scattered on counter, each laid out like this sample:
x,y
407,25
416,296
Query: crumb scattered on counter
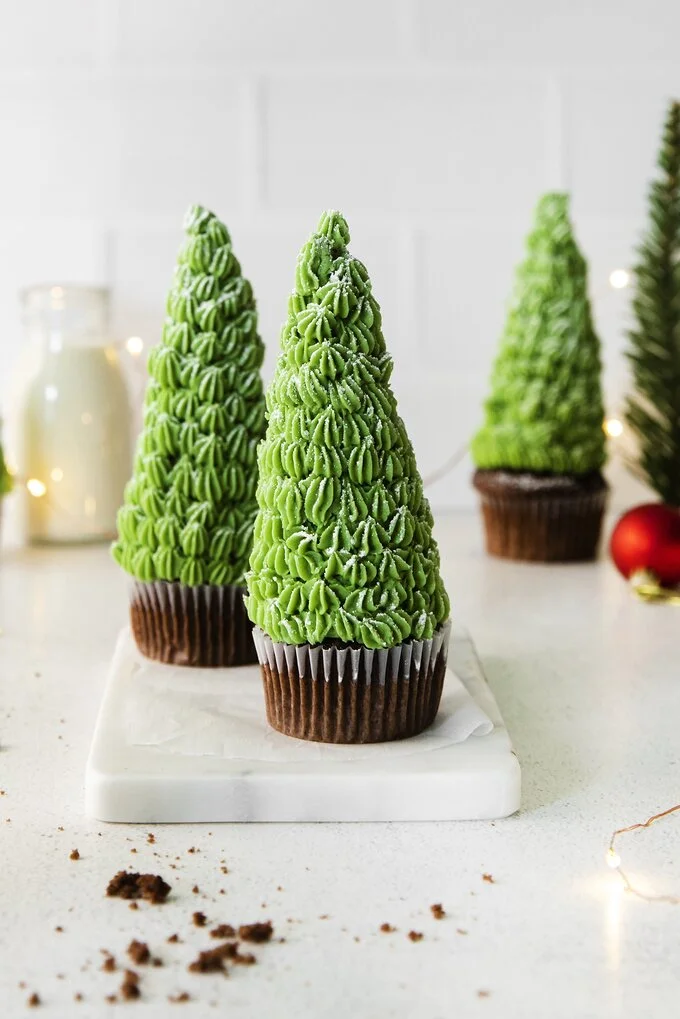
x,y
139,952
415,936
129,989
224,930
459,930
179,999
489,878
75,855
196,890
387,928
438,911
483,994
174,939
256,932
109,964
199,919
34,1000
151,887
151,838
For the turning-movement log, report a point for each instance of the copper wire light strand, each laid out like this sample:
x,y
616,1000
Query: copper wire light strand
x,y
614,860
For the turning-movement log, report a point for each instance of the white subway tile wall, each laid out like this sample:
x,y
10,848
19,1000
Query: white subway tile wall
x,y
434,125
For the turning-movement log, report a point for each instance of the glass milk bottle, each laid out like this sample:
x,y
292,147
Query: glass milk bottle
x,y
75,419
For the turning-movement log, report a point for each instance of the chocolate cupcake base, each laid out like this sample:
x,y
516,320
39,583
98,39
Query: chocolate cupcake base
x,y
542,517
343,693
204,626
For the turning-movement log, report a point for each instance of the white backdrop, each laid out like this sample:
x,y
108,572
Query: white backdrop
x,y
433,125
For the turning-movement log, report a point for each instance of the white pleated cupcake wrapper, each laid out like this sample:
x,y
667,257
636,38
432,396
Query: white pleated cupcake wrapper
x,y
317,661
173,595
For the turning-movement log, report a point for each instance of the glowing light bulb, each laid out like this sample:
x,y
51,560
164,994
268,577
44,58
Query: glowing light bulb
x,y
36,488
613,859
613,427
619,278
135,345
56,474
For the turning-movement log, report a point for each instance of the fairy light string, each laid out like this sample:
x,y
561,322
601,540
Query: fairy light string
x,y
613,858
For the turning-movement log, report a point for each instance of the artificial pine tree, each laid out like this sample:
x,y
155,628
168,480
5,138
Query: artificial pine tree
x,y
653,410
5,476
185,530
541,447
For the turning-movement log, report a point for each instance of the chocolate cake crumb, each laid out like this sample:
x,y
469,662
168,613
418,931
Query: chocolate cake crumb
x,y
243,960
213,959
174,939
387,928
488,878
109,964
129,989
75,855
77,996
157,962
225,870
438,911
225,930
139,952
256,932
192,850
133,905
483,994
133,850
138,886
415,936
196,890
34,1000
111,998
59,930
178,999
200,919
60,828
151,838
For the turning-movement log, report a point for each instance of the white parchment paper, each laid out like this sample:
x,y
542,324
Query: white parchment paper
x,y
220,713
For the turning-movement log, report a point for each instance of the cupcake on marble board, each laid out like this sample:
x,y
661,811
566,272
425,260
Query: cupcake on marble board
x,y
186,526
344,585
541,448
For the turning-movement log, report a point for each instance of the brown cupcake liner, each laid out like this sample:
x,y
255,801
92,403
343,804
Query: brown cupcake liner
x,y
205,626
352,694
564,527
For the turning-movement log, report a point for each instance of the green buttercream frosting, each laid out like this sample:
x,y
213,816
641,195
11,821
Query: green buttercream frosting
x,y
545,411
343,544
190,507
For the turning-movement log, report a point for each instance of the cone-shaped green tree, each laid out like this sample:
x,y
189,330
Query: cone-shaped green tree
x,y
545,411
343,545
653,410
190,506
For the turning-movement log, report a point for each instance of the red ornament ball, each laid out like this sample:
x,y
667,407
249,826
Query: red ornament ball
x,y
648,538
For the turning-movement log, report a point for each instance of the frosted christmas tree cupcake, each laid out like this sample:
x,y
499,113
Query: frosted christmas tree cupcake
x,y
344,587
541,447
185,530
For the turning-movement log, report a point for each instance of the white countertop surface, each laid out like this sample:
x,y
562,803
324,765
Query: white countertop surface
x,y
588,681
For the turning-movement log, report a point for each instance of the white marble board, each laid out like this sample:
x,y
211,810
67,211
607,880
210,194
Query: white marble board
x,y
149,764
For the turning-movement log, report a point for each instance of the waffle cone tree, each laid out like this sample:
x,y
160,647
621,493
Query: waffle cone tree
x,y
545,410
653,409
190,507
343,547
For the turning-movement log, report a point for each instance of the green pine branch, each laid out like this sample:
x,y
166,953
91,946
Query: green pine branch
x,y
653,409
